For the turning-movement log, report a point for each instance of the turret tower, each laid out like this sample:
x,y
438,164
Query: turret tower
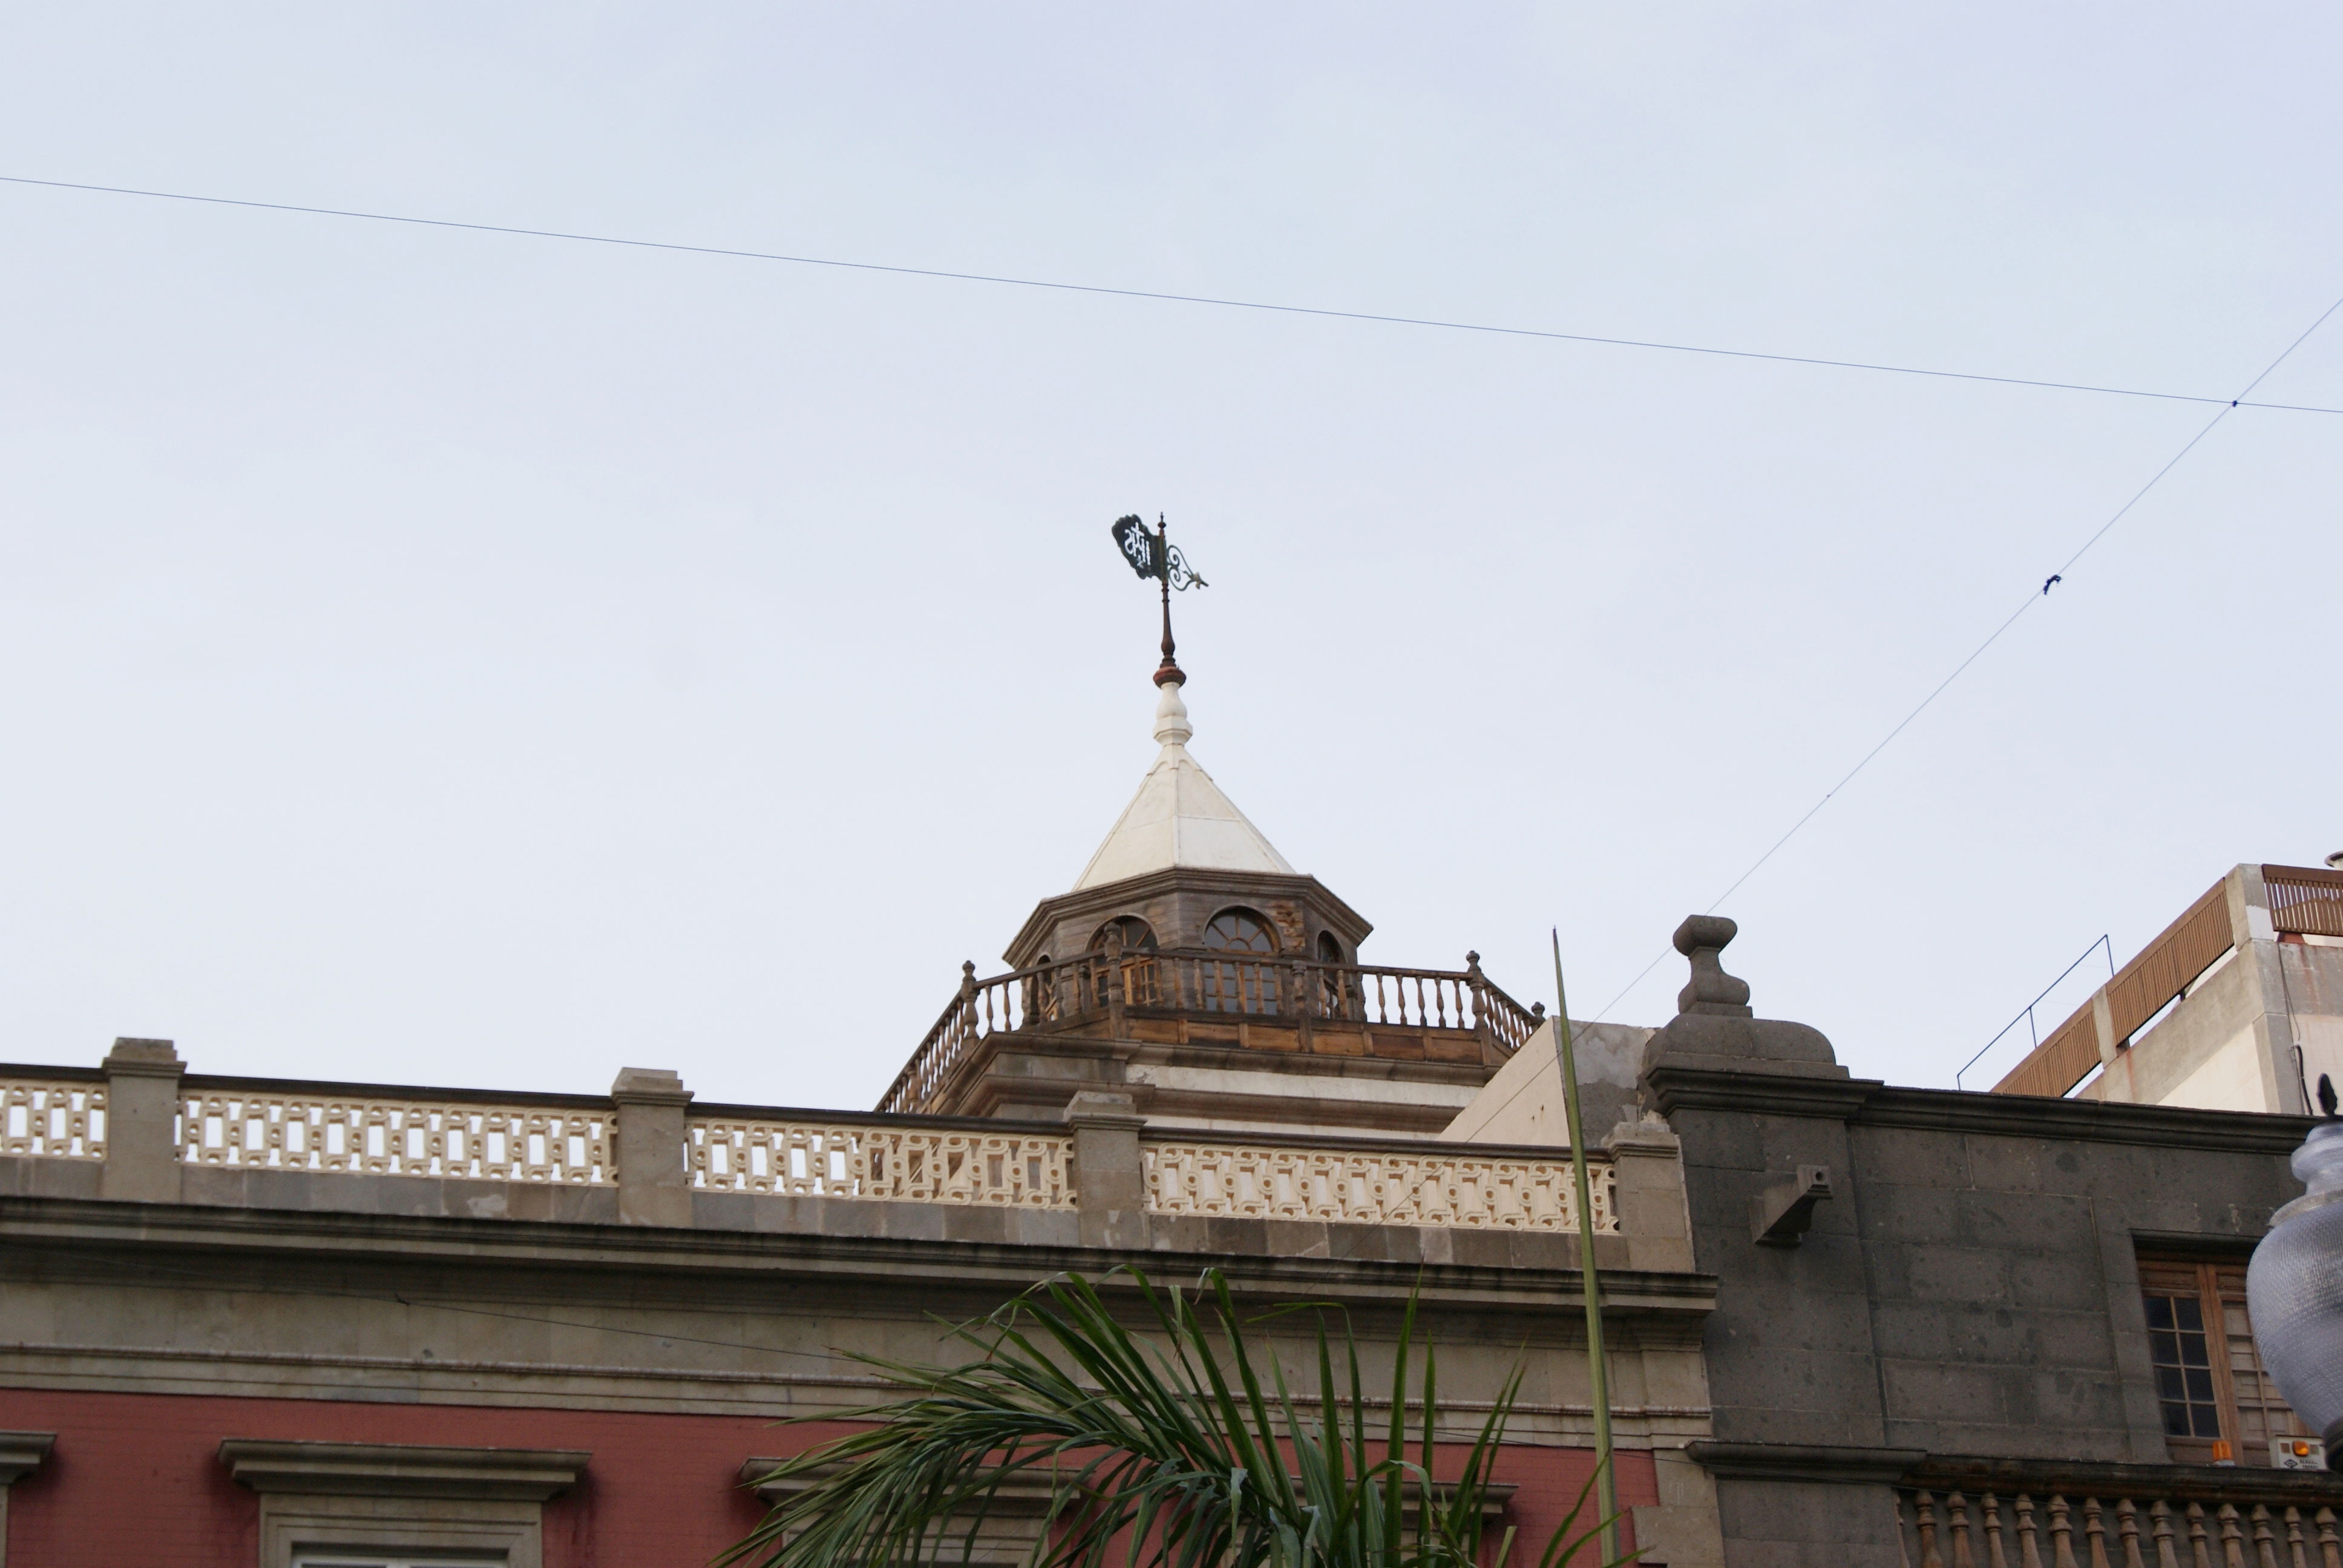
x,y
1193,967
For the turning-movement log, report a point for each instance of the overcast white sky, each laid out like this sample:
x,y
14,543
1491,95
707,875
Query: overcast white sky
x,y
442,657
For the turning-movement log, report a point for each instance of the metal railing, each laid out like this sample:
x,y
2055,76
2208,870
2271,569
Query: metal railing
x,y
1295,991
2162,971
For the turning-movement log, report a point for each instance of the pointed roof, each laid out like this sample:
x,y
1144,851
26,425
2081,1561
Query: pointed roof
x,y
1179,818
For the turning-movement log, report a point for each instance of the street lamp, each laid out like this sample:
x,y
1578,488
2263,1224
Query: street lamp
x,y
2294,1288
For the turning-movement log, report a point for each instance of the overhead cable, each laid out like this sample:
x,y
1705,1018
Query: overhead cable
x,y
2033,597
1164,296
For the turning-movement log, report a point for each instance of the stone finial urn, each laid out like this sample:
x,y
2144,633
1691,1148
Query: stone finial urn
x,y
2294,1288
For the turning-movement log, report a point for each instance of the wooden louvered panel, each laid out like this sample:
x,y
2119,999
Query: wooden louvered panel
x,y
2305,899
2164,968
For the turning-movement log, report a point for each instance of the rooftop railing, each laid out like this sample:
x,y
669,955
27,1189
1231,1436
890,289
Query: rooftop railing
x,y
1103,987
571,1141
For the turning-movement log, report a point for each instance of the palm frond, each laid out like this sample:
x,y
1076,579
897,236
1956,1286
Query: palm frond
x,y
1163,1451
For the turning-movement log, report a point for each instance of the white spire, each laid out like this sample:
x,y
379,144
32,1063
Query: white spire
x,y
1179,818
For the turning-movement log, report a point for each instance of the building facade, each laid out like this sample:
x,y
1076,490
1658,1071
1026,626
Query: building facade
x,y
304,1324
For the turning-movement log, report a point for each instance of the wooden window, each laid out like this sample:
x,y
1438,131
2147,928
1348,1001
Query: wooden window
x,y
1139,979
1240,932
1138,936
2219,1406
1238,983
1334,993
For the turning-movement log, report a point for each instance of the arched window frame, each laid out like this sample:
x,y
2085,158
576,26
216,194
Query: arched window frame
x,y
1239,978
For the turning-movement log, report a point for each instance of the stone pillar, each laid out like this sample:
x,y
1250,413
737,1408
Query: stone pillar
x,y
19,1451
654,1179
142,1104
1654,1221
1110,1181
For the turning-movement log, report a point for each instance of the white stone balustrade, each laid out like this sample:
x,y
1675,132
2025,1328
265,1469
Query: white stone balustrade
x,y
911,1165
354,1134
52,1119
1372,1187
254,1127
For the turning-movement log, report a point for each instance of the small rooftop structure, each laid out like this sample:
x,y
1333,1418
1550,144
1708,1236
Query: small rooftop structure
x,y
1193,967
2238,1005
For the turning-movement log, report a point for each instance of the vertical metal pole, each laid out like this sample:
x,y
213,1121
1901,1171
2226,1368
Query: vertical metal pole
x,y
1590,1284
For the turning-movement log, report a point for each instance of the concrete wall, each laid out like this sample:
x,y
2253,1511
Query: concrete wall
x,y
1524,1103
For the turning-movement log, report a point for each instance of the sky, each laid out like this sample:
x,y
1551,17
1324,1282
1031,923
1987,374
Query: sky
x,y
436,656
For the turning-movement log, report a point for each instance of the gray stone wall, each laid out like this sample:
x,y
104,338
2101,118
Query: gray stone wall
x,y
1969,1287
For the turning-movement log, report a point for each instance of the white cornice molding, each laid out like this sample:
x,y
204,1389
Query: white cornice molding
x,y
403,1470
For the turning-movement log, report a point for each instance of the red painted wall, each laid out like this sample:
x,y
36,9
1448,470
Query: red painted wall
x,y
135,1479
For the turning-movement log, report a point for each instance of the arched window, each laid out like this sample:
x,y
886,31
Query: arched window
x,y
1339,988
1138,936
1242,981
1138,971
1335,982
1240,932
1041,992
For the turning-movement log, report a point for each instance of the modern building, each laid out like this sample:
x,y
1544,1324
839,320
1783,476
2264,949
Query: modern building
x,y
2236,1006
264,1322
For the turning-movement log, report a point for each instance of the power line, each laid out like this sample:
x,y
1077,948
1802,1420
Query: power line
x,y
1217,301
2032,597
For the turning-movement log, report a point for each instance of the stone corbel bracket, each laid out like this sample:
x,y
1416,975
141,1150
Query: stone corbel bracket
x,y
1785,1211
21,1452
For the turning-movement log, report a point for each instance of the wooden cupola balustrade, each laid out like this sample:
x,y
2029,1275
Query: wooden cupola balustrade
x,y
1104,994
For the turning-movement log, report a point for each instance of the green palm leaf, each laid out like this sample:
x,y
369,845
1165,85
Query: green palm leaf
x,y
1160,1452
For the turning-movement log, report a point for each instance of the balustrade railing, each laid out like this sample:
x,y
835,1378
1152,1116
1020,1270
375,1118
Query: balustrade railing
x,y
53,1120
1372,1187
1194,980
2133,1526
2305,898
917,1165
391,1136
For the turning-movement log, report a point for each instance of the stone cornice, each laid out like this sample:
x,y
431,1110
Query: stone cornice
x,y
1757,1091
2088,1120
1976,1472
403,1470
1869,1103
2192,1482
1131,891
1803,1462
692,1262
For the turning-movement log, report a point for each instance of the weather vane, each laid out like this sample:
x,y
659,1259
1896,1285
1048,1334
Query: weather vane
x,y
1154,555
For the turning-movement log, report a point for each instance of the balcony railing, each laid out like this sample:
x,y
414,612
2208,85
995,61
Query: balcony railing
x,y
2305,898
545,1140
2030,1515
1096,986
380,1132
